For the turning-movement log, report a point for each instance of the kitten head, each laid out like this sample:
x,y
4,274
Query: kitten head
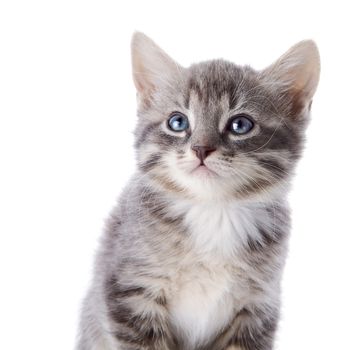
x,y
216,129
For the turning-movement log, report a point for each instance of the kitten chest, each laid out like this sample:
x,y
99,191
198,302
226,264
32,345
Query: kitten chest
x,y
210,286
202,304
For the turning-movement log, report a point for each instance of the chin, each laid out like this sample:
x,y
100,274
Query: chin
x,y
202,183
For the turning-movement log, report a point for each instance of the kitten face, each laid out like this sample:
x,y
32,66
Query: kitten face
x,y
205,151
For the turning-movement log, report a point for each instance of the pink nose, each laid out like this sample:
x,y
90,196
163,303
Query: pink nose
x,y
203,152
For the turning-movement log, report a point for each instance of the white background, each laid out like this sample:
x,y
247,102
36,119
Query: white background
x,y
67,109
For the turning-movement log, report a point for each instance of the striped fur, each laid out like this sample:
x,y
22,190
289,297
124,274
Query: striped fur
x,y
191,259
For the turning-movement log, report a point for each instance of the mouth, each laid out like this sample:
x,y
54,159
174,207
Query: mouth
x,y
203,171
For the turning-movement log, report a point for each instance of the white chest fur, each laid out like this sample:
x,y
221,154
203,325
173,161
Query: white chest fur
x,y
221,228
202,303
207,292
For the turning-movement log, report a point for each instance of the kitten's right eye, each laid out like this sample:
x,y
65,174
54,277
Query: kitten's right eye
x,y
178,122
240,125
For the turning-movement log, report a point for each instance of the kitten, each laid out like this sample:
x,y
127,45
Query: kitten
x,y
192,255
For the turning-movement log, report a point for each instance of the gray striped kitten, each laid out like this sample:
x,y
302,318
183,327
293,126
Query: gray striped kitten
x,y
192,256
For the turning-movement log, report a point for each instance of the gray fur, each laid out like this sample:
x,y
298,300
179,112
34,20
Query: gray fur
x,y
170,235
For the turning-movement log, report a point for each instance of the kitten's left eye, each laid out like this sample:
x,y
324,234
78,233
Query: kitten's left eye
x,y
240,125
178,122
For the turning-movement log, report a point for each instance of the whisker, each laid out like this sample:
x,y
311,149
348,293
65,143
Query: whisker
x,y
238,162
266,143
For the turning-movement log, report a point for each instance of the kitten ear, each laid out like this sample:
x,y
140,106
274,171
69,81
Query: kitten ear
x,y
152,67
297,72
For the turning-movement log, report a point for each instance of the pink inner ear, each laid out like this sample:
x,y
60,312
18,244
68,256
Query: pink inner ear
x,y
298,73
152,67
145,88
299,103
139,75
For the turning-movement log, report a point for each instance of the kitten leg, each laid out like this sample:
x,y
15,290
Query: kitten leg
x,y
254,329
93,334
139,319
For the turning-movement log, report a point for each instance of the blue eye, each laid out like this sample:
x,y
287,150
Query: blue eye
x,y
178,122
241,125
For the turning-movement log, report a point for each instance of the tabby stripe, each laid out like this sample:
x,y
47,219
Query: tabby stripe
x,y
150,163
